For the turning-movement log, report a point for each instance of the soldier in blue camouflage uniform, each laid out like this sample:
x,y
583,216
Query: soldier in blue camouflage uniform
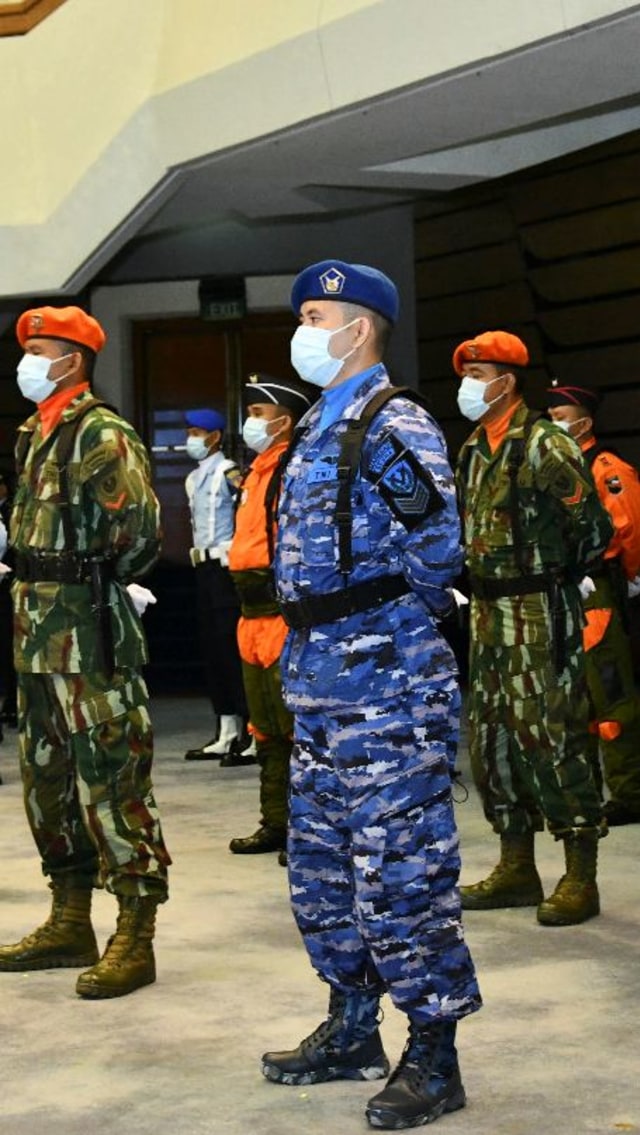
x,y
373,847
533,527
85,523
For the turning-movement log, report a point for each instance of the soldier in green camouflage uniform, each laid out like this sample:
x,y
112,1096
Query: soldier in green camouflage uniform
x,y
85,524
533,526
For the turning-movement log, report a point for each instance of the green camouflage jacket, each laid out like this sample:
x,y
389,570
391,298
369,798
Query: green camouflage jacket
x,y
113,510
563,522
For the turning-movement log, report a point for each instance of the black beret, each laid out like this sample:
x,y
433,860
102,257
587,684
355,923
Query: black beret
x,y
574,396
288,392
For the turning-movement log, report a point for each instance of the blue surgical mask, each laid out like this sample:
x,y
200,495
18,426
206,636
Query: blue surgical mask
x,y
310,355
471,401
196,447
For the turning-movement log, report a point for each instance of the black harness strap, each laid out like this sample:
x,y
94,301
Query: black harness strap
x,y
273,491
65,437
517,450
66,440
351,444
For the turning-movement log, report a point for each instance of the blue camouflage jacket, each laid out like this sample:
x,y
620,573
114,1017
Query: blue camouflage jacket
x,y
392,650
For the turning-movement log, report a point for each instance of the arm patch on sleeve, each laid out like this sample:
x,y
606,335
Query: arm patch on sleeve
x,y
404,484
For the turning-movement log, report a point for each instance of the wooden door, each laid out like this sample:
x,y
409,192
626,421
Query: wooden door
x,y
182,364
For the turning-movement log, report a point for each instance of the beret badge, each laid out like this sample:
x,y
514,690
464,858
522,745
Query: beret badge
x,y
332,281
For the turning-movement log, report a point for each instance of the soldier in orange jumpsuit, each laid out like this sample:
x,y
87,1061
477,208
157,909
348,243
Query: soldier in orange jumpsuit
x,y
273,407
615,725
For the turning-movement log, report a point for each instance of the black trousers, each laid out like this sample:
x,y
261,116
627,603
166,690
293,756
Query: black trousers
x,y
218,613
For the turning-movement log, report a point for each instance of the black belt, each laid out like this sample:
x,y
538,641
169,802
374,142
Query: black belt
x,y
502,588
254,590
314,610
55,567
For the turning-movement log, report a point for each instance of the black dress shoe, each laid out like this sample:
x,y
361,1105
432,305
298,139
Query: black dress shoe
x,y
282,858
201,754
265,839
238,756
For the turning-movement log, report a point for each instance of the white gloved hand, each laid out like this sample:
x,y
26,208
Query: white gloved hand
x,y
459,599
633,587
4,569
141,597
586,587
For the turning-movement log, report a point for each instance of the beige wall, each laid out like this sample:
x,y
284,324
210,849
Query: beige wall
x,y
104,96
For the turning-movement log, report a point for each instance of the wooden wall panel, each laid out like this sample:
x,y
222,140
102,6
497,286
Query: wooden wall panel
x,y
552,254
589,231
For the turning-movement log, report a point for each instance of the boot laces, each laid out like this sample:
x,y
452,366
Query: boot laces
x,y
418,1058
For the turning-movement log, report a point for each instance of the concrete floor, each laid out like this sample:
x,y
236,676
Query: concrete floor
x,y
554,1049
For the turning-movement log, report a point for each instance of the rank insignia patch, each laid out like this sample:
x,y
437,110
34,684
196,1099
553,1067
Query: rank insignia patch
x,y
407,488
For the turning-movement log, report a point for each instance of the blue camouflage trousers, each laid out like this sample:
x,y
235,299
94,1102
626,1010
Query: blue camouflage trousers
x,y
373,855
86,749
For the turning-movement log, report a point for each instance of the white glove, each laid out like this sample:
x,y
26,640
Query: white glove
x,y
459,599
4,569
140,597
633,586
586,587
223,550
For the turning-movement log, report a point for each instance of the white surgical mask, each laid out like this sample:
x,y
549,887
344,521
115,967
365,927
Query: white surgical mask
x,y
33,376
196,447
471,401
255,435
310,355
566,426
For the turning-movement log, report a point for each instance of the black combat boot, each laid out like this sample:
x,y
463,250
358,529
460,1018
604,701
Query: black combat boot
x,y
128,961
576,897
513,882
426,1083
347,1046
65,939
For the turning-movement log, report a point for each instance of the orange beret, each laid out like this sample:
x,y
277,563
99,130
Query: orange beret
x,y
491,347
70,323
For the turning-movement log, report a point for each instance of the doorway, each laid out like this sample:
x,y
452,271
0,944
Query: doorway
x,y
182,364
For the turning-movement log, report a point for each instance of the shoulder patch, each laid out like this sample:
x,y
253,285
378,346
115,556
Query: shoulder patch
x,y
404,484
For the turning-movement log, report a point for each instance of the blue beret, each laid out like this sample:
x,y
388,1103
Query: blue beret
x,y
349,283
208,420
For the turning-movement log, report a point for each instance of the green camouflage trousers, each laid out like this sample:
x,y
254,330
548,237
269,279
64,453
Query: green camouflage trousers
x,y
615,701
86,750
528,737
274,739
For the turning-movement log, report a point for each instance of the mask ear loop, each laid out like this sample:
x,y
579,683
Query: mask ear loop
x,y
280,418
337,331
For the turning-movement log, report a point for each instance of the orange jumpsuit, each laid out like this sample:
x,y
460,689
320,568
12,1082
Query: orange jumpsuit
x,y
615,725
261,635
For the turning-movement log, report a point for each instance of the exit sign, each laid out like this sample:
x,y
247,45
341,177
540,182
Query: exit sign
x,y
222,298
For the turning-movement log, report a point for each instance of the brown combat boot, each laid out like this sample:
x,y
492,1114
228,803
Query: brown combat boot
x,y
65,939
576,897
513,882
128,962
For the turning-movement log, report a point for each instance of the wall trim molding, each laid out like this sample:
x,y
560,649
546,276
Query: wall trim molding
x,y
20,17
